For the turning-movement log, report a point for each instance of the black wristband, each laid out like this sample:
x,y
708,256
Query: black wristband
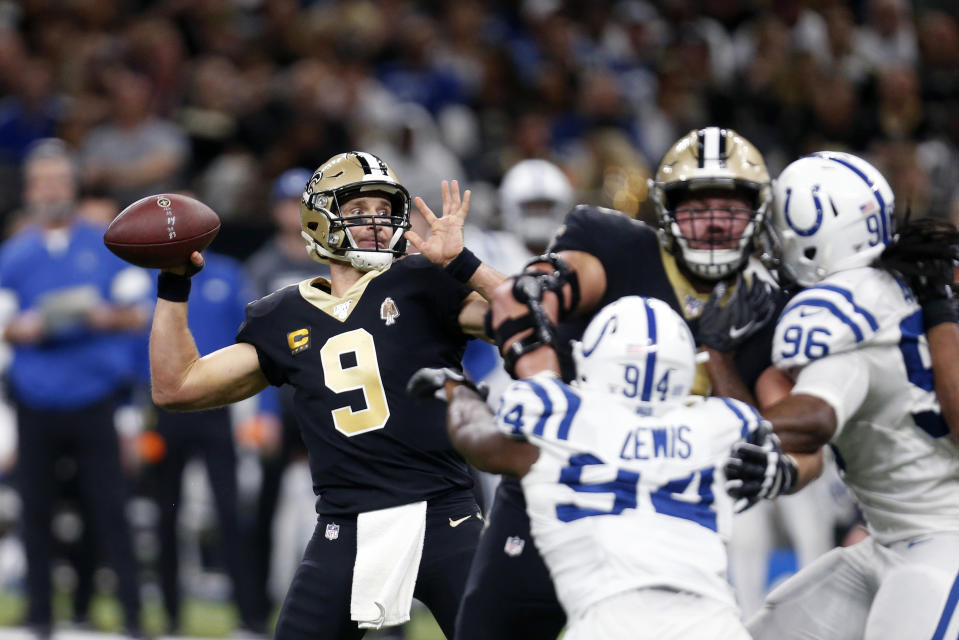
x,y
173,287
938,311
463,266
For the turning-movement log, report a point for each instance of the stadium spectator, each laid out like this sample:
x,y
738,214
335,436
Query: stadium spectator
x,y
135,153
78,310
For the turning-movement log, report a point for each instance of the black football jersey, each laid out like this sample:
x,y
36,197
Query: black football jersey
x,y
370,445
635,264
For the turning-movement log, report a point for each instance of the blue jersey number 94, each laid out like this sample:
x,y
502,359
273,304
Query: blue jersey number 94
x,y
677,498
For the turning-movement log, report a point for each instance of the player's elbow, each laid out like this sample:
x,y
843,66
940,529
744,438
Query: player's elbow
x,y
162,398
169,399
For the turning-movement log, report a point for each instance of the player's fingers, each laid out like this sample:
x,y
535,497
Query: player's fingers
x,y
445,191
465,205
424,210
733,465
455,194
414,239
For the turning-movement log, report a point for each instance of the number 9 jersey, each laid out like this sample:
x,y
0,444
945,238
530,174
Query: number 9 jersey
x,y
371,446
620,501
856,341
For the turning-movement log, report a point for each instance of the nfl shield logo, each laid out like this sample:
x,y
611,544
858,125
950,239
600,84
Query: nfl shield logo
x,y
332,531
514,546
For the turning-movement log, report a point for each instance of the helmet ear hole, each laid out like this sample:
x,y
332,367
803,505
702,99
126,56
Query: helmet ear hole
x,y
312,226
810,253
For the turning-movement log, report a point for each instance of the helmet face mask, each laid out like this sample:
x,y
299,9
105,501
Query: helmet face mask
x,y
329,233
833,211
639,350
726,179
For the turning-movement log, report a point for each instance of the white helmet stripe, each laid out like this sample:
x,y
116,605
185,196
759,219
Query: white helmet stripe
x,y
371,164
712,148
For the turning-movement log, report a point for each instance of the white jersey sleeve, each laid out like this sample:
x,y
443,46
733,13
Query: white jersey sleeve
x,y
821,321
842,381
536,407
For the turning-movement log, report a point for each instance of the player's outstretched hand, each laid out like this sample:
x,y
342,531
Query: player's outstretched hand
x,y
757,468
724,327
431,382
446,234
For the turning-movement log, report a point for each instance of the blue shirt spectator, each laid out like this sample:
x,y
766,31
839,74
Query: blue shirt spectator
x,y
61,275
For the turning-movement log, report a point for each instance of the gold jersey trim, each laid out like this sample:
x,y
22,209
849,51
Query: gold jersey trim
x,y
691,302
338,308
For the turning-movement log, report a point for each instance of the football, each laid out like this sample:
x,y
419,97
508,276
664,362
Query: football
x,y
162,230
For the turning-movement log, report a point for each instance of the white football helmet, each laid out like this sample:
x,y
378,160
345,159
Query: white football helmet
x,y
535,196
832,211
638,349
718,159
328,235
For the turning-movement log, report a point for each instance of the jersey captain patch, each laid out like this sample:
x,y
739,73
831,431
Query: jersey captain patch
x,y
389,312
298,340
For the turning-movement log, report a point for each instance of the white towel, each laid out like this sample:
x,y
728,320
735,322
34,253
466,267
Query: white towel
x,y
389,545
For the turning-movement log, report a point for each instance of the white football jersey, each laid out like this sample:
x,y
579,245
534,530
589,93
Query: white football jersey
x,y
857,341
620,501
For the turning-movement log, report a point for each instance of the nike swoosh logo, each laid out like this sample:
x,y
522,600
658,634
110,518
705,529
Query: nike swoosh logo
x,y
912,543
736,332
456,523
808,312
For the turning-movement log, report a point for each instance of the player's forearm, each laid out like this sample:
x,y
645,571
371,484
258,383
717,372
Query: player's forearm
x,y
471,432
485,280
809,467
724,377
804,423
944,347
172,352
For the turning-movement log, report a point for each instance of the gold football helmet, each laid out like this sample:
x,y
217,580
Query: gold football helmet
x,y
717,160
328,234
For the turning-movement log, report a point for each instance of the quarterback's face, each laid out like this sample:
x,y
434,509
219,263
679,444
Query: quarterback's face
x,y
711,221
369,233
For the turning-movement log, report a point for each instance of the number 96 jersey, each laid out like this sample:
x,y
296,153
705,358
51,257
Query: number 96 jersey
x,y
619,501
371,446
857,342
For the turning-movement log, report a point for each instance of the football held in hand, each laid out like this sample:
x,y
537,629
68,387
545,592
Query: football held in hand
x,y
161,231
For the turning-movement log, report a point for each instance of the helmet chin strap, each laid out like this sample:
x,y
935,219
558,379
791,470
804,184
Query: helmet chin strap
x,y
369,260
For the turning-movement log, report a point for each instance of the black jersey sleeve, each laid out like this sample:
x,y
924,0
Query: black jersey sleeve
x,y
622,245
447,293
255,329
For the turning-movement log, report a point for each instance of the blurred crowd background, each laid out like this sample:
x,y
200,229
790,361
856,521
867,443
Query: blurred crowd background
x,y
221,98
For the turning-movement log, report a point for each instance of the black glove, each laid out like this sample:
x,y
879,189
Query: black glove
x,y
757,468
924,254
426,382
749,309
